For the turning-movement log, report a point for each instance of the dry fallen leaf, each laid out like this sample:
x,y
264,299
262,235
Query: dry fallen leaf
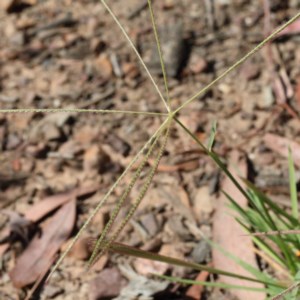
x,y
228,234
107,284
50,203
46,206
37,257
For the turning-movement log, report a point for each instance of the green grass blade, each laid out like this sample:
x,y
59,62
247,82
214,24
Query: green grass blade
x,y
261,277
293,186
279,211
281,220
213,284
131,251
250,218
212,136
263,213
235,206
264,246
262,220
216,159
192,136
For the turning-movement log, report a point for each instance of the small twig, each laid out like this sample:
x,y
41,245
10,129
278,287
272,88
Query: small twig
x,y
40,279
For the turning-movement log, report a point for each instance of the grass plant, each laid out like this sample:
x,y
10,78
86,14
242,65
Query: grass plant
x,y
262,215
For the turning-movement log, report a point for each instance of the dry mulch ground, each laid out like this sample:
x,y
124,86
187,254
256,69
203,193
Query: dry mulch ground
x,y
56,167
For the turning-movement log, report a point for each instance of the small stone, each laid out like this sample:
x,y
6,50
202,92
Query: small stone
x,y
8,99
149,222
70,149
51,291
146,267
38,151
203,205
91,158
168,4
130,70
201,252
118,144
106,285
95,159
25,22
171,250
267,100
18,39
82,249
51,132
13,141
175,224
197,64
225,88
250,71
104,67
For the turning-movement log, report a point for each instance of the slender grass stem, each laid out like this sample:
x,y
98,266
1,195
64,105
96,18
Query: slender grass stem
x,y
215,158
79,110
123,198
136,52
137,201
164,126
238,63
154,26
104,199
